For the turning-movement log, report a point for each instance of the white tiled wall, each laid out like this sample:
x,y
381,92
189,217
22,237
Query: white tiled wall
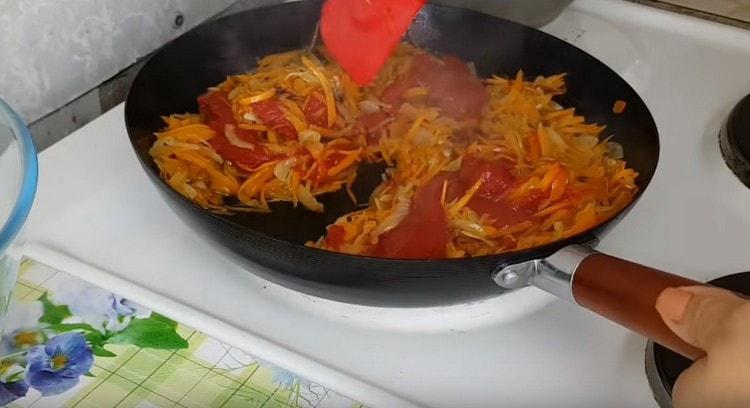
x,y
52,51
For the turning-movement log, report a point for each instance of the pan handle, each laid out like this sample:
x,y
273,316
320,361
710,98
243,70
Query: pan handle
x,y
622,291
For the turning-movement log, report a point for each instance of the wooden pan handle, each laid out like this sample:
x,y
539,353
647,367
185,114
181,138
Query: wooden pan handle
x,y
626,292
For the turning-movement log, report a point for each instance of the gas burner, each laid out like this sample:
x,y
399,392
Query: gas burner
x,y
734,140
664,366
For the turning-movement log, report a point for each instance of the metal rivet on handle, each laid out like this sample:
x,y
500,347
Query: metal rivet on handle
x,y
510,278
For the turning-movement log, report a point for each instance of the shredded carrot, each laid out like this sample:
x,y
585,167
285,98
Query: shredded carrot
x,y
558,186
453,209
347,162
619,107
327,90
258,97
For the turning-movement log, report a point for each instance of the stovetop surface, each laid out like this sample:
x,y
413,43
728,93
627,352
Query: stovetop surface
x,y
96,206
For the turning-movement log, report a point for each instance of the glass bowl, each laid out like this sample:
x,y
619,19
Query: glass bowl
x,y
18,180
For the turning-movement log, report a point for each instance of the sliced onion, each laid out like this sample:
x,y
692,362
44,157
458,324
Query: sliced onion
x,y
338,89
557,141
367,106
250,117
587,141
230,131
400,211
310,139
211,153
260,97
309,136
308,200
306,76
469,226
615,150
283,169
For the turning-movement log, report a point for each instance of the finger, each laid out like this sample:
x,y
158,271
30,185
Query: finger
x,y
716,381
688,390
671,304
697,314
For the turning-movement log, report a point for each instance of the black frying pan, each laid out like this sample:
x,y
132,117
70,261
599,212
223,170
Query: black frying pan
x,y
619,290
183,69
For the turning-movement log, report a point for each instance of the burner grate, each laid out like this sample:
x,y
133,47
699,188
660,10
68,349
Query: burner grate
x,y
734,140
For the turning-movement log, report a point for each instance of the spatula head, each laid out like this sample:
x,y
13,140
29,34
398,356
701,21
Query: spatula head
x,y
361,34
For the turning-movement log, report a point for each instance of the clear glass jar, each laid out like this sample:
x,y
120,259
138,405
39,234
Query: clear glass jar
x,y
18,180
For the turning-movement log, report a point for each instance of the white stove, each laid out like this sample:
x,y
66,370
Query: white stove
x,y
98,217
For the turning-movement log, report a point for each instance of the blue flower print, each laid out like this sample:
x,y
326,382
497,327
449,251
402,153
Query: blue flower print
x,y
128,308
101,309
10,392
55,367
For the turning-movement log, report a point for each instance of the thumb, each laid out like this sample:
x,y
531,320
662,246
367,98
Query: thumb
x,y
697,314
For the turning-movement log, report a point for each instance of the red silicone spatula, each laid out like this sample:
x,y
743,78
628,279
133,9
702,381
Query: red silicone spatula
x,y
361,34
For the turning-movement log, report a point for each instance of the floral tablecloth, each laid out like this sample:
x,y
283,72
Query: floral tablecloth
x,y
67,343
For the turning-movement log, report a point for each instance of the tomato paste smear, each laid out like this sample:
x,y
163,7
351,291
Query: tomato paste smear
x,y
217,113
335,237
271,115
423,233
451,87
497,179
316,111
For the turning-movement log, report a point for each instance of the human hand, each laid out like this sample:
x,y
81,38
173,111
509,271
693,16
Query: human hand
x,y
717,321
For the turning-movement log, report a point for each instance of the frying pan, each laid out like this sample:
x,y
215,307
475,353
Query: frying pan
x,y
272,245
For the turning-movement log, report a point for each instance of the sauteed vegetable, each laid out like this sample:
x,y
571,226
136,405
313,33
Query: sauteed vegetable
x,y
474,166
